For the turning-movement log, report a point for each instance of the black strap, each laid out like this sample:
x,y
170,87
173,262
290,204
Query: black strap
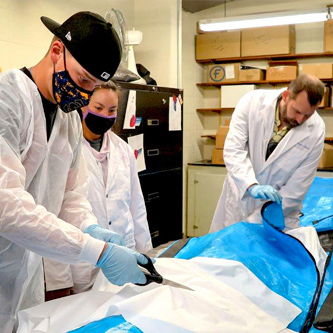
x,y
324,319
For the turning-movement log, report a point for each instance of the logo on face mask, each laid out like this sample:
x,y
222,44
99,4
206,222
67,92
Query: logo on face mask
x,y
67,94
97,123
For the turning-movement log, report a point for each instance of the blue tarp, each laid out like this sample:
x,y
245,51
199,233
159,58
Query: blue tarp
x,y
318,205
278,260
115,324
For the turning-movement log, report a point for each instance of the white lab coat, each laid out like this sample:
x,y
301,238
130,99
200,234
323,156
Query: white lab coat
x,y
290,169
119,205
40,184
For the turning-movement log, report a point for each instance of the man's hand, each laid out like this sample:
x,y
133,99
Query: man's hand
x,y
265,192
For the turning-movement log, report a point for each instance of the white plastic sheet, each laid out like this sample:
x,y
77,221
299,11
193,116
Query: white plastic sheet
x,y
217,304
213,306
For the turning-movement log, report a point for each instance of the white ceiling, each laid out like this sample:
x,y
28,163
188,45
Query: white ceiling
x,y
194,6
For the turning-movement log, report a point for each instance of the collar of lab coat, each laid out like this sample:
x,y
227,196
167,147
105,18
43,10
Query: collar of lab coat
x,y
292,138
114,156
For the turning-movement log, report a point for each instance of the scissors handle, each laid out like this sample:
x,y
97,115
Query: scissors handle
x,y
153,275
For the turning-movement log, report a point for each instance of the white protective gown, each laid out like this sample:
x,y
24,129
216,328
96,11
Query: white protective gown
x,y
119,205
290,169
41,186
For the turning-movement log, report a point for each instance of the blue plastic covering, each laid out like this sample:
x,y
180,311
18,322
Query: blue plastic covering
x,y
115,324
278,260
318,205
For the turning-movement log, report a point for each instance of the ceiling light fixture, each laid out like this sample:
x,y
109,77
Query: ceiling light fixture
x,y
261,20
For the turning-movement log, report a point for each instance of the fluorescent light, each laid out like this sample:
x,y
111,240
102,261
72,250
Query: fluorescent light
x,y
263,20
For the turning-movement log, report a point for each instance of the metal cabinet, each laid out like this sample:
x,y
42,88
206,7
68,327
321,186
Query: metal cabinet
x,y
203,192
161,182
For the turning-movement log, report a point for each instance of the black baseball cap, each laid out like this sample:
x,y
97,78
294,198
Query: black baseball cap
x,y
91,40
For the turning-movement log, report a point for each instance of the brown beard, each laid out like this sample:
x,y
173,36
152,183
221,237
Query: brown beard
x,y
290,123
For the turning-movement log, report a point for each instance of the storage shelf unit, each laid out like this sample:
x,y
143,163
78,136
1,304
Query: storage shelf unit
x,y
271,57
218,84
227,110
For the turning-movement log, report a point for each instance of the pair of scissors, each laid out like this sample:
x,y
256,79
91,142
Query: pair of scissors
x,y
153,276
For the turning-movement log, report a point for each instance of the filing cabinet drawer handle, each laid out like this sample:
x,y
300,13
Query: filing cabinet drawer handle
x,y
152,196
155,234
153,122
153,152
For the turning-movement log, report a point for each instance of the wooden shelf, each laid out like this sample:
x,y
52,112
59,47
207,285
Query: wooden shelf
x,y
217,110
270,57
325,109
218,84
213,136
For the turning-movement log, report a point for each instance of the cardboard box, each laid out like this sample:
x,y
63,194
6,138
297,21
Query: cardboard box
x,y
326,160
281,73
326,99
328,36
268,40
251,75
231,94
217,45
217,156
223,73
227,121
320,70
221,134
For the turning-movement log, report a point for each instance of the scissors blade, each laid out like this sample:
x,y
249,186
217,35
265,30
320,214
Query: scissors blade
x,y
175,284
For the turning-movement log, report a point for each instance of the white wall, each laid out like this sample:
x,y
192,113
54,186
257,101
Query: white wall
x,y
24,39
158,49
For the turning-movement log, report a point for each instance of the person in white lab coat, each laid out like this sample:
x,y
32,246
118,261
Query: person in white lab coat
x,y
271,152
114,188
42,171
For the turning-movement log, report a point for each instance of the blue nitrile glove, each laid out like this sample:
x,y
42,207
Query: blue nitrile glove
x,y
120,265
265,192
105,235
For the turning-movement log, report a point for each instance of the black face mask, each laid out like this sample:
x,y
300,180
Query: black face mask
x,y
97,123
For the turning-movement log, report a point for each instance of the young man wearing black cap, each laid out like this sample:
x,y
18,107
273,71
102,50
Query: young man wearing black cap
x,y
42,176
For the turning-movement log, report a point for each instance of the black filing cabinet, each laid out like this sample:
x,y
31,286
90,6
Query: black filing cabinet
x,y
161,182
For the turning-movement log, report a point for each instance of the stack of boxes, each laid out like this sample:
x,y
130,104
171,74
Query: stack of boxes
x,y
224,44
221,134
260,42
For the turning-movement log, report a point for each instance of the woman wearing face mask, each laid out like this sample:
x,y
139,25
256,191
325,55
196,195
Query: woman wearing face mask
x,y
114,188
